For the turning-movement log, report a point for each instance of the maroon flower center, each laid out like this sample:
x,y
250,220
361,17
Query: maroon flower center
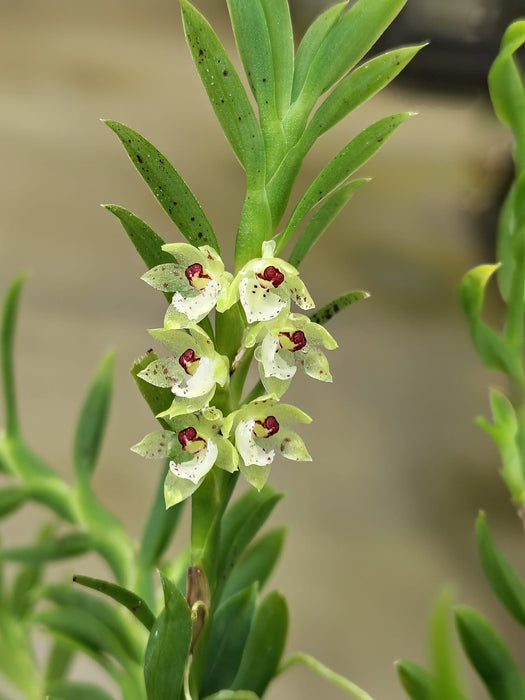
x,y
187,361
266,428
292,341
187,435
272,274
194,273
191,442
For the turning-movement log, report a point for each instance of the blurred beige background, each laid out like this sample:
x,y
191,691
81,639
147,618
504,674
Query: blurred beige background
x,y
383,517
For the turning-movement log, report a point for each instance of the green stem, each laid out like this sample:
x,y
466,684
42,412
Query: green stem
x,y
324,672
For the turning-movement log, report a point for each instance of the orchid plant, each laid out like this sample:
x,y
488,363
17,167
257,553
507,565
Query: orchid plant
x,y
208,632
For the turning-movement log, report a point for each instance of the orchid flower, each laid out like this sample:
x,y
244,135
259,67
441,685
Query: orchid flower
x,y
198,282
193,446
266,286
261,430
191,372
285,344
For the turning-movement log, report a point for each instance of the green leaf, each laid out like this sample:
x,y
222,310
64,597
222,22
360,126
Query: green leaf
x,y
472,290
173,194
443,649
264,646
233,695
345,44
257,562
92,421
322,218
418,683
277,13
168,646
225,91
310,43
59,660
503,579
241,523
76,690
489,656
11,498
7,340
70,545
328,311
229,630
347,161
128,599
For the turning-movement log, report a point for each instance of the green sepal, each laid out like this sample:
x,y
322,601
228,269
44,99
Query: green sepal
x,y
7,340
328,311
418,683
233,695
172,193
75,690
489,656
52,549
146,242
168,646
257,562
130,600
241,522
348,160
264,646
322,218
229,630
66,597
502,577
345,44
310,43
92,420
158,398
225,90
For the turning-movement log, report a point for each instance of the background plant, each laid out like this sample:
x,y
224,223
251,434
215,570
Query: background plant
x,y
502,351
271,150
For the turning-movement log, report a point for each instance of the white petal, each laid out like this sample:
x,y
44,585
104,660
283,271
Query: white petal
x,y
199,383
196,308
276,362
197,467
250,451
259,302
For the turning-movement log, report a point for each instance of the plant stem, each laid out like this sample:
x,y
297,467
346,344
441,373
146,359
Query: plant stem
x,y
324,672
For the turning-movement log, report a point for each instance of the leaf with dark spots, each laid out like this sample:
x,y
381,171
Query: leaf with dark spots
x,y
167,186
328,311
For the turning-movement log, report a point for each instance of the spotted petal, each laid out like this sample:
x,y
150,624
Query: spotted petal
x,y
259,302
196,468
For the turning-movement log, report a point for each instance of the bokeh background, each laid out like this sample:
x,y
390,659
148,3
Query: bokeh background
x,y
382,519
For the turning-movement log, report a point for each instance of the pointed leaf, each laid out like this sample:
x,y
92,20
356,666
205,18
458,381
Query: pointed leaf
x,y
76,690
92,420
264,646
418,683
230,628
328,311
277,13
257,562
128,599
225,90
502,577
322,218
489,656
168,646
173,194
7,340
70,545
349,159
443,649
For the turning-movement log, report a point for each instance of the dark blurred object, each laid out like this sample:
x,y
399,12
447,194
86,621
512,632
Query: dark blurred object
x,y
464,38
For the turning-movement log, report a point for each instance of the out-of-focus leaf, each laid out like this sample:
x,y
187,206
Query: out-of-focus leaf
x,y
230,628
310,43
7,340
418,683
257,562
241,523
11,498
489,656
59,660
503,579
225,90
168,646
93,419
328,311
76,690
69,545
264,646
173,194
347,161
444,649
233,695
322,218
130,600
